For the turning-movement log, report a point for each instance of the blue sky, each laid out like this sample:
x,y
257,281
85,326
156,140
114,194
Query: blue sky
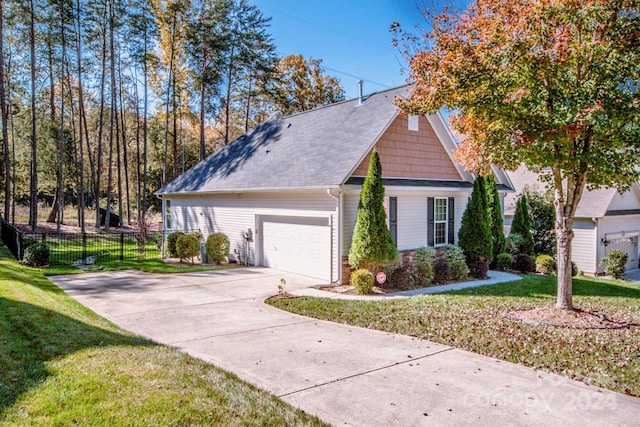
x,y
350,36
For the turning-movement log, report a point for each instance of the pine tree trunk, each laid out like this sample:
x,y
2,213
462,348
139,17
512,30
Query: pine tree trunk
x,y
5,133
33,192
101,121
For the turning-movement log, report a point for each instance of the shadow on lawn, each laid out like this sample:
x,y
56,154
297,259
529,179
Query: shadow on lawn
x,y
31,336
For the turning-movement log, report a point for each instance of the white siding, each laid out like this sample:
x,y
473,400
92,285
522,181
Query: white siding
x,y
412,216
412,222
233,214
583,249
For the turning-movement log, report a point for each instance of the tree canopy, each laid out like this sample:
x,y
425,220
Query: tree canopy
x,y
549,83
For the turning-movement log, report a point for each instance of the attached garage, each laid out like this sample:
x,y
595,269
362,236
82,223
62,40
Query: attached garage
x,y
299,245
627,243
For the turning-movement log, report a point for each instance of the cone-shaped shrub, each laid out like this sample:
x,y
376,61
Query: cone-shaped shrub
x,y
474,236
494,208
372,245
522,225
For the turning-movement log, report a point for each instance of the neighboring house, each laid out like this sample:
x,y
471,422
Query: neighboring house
x,y
286,193
605,220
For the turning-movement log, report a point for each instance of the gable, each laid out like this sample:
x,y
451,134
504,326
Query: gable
x,y
412,154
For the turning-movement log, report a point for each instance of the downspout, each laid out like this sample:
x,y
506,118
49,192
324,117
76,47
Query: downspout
x,y
340,202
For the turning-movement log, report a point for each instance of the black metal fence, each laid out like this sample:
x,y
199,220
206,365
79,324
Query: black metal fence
x,y
86,248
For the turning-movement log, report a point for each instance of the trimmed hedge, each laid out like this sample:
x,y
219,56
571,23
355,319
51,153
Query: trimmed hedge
x,y
172,238
362,280
217,247
545,264
187,246
614,263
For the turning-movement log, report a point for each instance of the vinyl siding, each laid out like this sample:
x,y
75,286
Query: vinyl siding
x,y
412,217
583,249
233,214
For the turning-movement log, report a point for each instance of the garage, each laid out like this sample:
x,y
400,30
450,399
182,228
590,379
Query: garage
x,y
627,244
299,245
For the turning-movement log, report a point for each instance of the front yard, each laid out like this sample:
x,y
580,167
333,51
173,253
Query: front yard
x,y
473,319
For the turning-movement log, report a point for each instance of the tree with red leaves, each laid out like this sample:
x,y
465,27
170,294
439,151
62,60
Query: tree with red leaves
x,y
553,84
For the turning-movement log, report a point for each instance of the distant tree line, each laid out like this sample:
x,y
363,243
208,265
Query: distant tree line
x,y
105,101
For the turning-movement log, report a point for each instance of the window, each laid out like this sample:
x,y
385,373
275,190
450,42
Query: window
x,y
167,214
440,231
440,221
393,219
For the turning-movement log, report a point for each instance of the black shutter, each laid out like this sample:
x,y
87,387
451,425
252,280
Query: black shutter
x,y
393,219
430,222
451,237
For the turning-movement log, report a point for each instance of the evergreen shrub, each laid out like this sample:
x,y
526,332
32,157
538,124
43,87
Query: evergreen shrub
x,y
362,280
217,247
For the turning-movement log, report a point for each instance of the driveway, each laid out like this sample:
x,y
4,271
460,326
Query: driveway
x,y
345,375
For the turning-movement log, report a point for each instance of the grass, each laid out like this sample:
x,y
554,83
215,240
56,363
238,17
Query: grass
x,y
472,319
61,364
146,265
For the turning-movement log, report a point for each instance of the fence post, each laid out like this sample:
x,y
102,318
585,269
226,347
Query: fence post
x,y
121,246
84,248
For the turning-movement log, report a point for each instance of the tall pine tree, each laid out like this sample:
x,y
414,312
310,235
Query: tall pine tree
x,y
474,236
372,245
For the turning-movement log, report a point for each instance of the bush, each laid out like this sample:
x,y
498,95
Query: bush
x,y
521,225
36,255
398,276
217,247
454,256
26,242
504,261
172,238
362,280
441,271
423,267
524,263
371,244
187,247
543,218
479,269
425,254
514,244
474,236
545,264
614,263
574,269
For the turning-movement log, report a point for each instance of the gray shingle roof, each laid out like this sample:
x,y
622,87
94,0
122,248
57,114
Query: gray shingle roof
x,y
593,204
317,148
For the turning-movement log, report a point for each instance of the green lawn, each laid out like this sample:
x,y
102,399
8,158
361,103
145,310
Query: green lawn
x,y
61,364
146,265
472,320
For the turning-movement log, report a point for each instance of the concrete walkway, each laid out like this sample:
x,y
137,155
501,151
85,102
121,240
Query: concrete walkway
x,y
345,375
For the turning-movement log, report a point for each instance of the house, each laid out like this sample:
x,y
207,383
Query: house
x,y
286,193
605,220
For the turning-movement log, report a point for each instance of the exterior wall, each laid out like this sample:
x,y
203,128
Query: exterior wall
x,y
585,244
412,154
624,201
233,214
412,216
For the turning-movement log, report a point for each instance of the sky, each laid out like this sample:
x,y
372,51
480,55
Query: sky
x,y
351,37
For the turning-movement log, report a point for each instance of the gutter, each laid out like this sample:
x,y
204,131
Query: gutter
x,y
340,202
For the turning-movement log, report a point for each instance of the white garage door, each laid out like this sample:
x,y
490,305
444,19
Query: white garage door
x,y
629,245
298,245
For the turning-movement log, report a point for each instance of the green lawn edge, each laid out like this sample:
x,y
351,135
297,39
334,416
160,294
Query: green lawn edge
x,y
472,319
64,365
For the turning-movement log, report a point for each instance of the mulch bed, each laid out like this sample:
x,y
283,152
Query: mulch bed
x,y
552,316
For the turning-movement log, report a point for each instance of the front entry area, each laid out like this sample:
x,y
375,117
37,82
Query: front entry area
x,y
300,245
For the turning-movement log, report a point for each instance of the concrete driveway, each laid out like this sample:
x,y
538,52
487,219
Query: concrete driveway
x,y
345,375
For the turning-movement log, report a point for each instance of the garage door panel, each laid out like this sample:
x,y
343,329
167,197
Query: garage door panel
x,y
299,245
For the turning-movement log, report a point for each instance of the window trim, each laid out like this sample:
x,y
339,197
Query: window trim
x,y
445,221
